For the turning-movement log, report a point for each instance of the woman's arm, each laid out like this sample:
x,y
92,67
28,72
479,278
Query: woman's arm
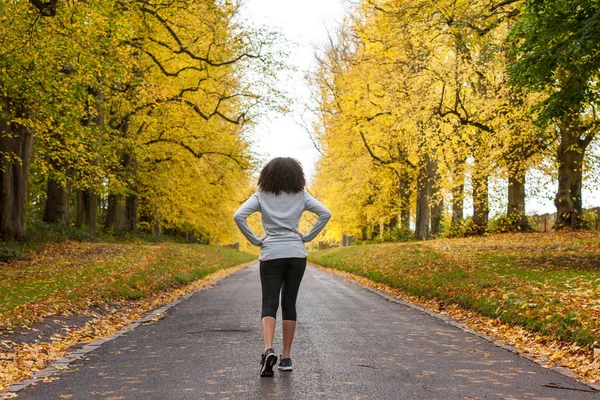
x,y
313,205
249,207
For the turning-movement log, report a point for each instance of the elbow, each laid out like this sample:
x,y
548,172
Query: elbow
x,y
239,221
237,217
327,215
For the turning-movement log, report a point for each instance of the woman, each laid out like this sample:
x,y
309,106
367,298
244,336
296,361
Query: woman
x,y
280,199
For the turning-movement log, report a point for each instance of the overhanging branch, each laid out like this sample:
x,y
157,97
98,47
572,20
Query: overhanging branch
x,y
46,8
196,154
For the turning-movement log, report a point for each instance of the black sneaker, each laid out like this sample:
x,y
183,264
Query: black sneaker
x,y
267,361
285,364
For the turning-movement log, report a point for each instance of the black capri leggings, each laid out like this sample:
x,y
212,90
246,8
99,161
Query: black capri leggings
x,y
281,275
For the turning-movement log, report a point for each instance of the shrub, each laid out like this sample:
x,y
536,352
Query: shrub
x,y
40,232
462,229
456,230
11,251
590,219
38,235
509,223
400,234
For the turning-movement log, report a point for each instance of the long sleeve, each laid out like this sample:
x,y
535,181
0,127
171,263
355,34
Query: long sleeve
x,y
249,207
313,205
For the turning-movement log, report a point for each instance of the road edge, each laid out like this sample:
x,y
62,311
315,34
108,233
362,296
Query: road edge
x,y
74,353
456,323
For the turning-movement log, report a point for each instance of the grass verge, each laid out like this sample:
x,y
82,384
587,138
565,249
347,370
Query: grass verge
x,y
68,277
110,284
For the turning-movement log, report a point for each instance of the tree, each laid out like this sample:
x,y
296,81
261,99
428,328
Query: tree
x,y
422,85
557,54
106,94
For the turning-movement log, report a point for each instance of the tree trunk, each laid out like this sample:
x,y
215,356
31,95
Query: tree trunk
x,y
87,210
15,156
458,191
570,159
131,203
516,201
393,223
80,214
115,213
131,206
458,204
58,192
92,211
436,217
480,199
158,229
422,219
405,194
405,218
57,202
435,198
87,199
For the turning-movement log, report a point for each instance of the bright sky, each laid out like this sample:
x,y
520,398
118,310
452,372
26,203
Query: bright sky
x,y
305,24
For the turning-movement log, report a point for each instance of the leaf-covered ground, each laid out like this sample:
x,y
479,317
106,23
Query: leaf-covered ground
x,y
539,291
107,285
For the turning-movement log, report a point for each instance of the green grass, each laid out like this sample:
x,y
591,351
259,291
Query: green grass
x,y
548,283
73,276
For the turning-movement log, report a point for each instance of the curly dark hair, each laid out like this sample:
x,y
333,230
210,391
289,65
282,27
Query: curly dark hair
x,y
282,174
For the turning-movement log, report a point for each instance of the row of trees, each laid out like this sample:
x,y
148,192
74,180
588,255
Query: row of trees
x,y
417,98
136,108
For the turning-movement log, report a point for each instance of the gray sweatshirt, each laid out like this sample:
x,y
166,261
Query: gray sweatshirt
x,y
280,216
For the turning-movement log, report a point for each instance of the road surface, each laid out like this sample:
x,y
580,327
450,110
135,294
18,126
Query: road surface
x,y
350,344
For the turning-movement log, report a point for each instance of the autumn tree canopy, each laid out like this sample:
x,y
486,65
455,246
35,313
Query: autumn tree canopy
x,y
125,115
418,101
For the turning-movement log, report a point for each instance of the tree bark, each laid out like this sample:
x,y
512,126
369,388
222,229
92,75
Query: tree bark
x,y
480,199
115,213
458,190
458,204
45,8
516,201
122,209
87,199
91,203
158,228
405,195
422,218
436,217
435,198
393,223
80,214
131,207
570,156
87,210
131,202
57,202
15,151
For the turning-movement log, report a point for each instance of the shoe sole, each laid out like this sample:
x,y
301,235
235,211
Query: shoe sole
x,y
285,368
267,368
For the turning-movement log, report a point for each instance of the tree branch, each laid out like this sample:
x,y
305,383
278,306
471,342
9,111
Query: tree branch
x,y
464,120
46,8
183,49
373,156
240,120
502,4
196,154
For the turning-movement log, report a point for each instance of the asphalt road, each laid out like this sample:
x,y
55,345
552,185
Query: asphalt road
x,y
350,344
